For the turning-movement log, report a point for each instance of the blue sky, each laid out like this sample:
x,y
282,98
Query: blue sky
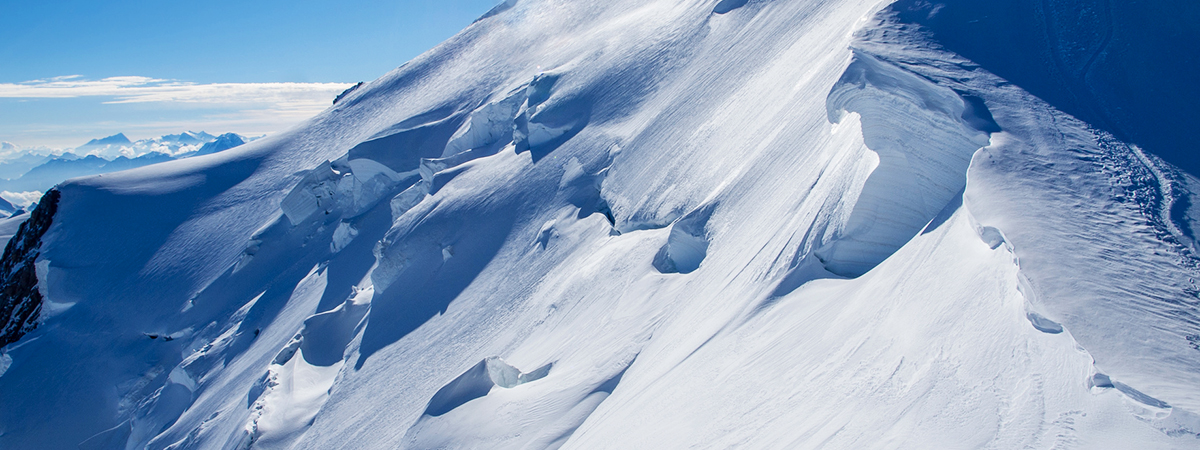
x,y
74,70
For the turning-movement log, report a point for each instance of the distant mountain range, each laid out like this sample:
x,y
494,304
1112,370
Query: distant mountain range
x,y
21,163
23,170
119,145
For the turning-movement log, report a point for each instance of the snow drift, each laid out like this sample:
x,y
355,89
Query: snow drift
x,y
632,224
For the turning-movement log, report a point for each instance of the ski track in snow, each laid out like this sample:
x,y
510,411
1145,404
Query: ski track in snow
x,y
632,225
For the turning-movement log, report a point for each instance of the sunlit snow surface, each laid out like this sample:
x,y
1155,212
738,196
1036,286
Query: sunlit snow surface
x,y
632,224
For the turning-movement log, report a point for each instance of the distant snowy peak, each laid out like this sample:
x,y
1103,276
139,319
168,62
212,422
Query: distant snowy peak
x,y
188,137
116,139
221,143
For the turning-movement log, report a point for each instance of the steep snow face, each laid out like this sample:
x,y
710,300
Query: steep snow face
x,y
631,224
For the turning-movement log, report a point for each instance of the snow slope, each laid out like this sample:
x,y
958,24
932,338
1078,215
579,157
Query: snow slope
x,y
632,224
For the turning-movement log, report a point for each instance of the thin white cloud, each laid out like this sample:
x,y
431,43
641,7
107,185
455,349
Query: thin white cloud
x,y
21,199
246,108
135,89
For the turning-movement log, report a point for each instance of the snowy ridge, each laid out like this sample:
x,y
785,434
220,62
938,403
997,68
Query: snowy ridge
x,y
631,224
1066,177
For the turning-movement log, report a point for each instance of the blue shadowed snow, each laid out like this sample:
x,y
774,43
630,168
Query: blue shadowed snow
x,y
428,281
1124,67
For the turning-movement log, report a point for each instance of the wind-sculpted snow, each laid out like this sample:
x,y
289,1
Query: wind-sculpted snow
x,y
632,224
298,380
1076,204
1069,192
687,243
478,381
923,139
489,126
354,185
545,122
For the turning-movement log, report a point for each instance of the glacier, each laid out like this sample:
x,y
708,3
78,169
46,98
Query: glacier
x,y
640,224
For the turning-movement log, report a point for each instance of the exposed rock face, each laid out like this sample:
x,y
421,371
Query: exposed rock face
x,y
20,301
346,92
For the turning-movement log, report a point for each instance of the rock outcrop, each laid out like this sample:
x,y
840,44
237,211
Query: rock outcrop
x,y
20,300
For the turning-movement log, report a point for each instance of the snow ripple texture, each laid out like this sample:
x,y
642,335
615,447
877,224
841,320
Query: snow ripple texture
x,y
632,224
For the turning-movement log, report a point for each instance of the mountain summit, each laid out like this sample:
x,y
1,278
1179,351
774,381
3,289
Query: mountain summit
x,y
116,139
188,137
221,143
645,224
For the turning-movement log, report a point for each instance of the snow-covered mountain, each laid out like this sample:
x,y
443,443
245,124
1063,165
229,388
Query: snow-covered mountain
x,y
116,139
219,144
646,224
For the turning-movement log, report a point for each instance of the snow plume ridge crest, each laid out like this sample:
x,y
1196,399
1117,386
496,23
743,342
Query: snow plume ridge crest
x,y
878,89
1044,157
910,184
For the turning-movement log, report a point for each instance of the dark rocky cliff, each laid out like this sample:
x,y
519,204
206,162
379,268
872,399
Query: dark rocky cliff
x,y
20,300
